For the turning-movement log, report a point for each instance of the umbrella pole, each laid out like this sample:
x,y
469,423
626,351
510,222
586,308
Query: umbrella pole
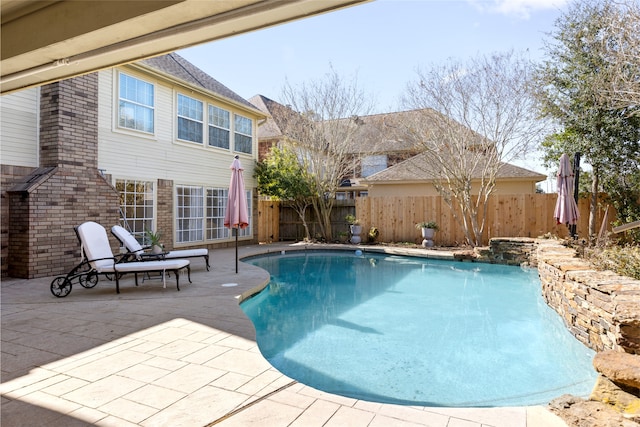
x,y
236,250
576,190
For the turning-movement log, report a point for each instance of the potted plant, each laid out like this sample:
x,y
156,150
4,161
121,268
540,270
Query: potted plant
x,y
428,231
355,227
342,236
154,241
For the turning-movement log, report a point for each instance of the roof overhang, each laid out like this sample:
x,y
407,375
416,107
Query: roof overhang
x,y
43,41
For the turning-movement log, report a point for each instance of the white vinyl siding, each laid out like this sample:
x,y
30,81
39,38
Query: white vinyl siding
x,y
19,117
143,157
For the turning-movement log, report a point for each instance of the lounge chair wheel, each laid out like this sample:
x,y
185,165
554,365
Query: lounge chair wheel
x,y
60,286
89,280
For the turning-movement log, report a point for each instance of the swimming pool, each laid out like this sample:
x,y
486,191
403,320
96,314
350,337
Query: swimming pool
x,y
414,331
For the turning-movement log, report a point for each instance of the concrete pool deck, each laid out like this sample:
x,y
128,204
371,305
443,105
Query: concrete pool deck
x,y
158,357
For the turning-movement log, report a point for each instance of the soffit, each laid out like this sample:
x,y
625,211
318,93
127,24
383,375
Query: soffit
x,y
46,41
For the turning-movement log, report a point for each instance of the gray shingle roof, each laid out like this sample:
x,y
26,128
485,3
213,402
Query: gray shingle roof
x,y
176,66
416,169
270,128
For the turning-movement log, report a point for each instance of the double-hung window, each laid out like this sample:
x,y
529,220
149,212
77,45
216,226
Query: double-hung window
x,y
135,104
219,127
243,136
190,119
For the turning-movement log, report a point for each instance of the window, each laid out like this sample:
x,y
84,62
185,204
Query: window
x,y
190,214
135,104
243,136
201,213
373,164
216,205
219,127
190,113
136,203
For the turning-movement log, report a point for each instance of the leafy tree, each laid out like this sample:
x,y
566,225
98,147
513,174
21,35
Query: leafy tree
x,y
568,90
321,121
282,177
469,119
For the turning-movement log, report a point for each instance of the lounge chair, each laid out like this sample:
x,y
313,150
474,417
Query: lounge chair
x,y
134,248
97,251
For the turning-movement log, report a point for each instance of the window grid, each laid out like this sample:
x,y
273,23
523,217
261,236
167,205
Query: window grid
x,y
135,104
136,203
216,205
243,135
190,119
190,214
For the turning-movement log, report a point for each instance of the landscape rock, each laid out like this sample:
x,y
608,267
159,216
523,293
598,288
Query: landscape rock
x,y
578,412
619,367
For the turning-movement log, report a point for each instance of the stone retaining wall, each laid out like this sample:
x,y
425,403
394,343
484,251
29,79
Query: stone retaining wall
x,y
600,308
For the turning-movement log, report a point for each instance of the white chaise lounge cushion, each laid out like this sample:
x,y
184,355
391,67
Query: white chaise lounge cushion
x,y
187,253
95,245
134,246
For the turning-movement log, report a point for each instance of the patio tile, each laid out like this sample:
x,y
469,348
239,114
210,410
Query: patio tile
x,y
107,365
128,410
155,396
240,361
350,417
197,409
177,349
189,378
383,421
264,414
103,391
316,415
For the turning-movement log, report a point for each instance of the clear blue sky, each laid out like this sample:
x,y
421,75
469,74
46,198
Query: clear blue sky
x,y
381,42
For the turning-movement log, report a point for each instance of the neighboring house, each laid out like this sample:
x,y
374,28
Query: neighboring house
x,y
150,142
412,178
383,162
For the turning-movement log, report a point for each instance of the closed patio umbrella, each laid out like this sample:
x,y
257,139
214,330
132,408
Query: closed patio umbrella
x,y
566,211
237,215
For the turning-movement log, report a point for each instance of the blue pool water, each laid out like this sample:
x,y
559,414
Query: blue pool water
x,y
415,331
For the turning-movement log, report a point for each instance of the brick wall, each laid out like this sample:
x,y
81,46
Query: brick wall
x,y
40,237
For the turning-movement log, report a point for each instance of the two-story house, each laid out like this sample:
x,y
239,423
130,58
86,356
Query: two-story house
x,y
147,145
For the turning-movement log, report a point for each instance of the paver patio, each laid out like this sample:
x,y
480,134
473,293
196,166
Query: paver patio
x,y
153,356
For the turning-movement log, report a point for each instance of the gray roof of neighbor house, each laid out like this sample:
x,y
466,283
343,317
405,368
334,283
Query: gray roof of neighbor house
x,y
178,67
270,128
416,169
380,133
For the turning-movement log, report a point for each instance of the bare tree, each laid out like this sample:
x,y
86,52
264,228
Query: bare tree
x,y
321,122
618,42
469,120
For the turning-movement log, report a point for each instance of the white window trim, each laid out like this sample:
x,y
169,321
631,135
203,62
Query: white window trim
x,y
116,106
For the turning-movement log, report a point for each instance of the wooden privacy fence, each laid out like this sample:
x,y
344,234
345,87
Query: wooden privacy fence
x,y
511,215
